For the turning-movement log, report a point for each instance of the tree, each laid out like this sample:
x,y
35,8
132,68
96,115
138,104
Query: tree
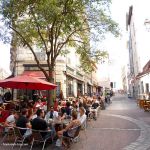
x,y
53,25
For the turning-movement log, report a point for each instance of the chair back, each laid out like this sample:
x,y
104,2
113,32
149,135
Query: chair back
x,y
17,132
4,115
77,131
36,134
2,127
74,131
84,124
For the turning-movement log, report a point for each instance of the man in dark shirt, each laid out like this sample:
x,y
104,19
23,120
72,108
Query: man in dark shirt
x,y
23,122
7,96
40,124
95,103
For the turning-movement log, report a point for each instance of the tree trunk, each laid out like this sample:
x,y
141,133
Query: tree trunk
x,y
50,95
49,98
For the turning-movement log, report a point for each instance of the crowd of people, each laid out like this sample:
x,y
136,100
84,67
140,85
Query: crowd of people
x,y
34,116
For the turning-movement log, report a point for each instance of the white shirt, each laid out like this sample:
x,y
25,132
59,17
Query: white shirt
x,y
55,115
11,119
82,118
34,116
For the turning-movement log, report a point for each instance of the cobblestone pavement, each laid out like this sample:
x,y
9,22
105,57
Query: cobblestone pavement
x,y
122,126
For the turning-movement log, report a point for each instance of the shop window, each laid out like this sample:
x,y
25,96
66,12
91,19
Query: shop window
x,y
58,89
69,88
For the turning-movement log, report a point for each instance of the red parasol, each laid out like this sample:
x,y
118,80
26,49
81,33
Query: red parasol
x,y
27,82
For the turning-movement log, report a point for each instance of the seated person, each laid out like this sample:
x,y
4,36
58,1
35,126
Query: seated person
x,y
23,122
11,120
4,114
63,103
38,104
56,105
101,102
95,104
74,123
40,124
51,114
67,110
74,105
82,115
34,115
7,96
86,106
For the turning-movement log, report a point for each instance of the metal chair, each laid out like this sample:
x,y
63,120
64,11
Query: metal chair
x,y
5,132
37,137
75,137
98,110
19,137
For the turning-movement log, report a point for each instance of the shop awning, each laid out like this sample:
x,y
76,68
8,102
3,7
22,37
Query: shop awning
x,y
146,70
89,82
37,74
73,76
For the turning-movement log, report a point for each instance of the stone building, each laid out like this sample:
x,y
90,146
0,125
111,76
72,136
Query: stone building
x,y
133,54
69,77
138,45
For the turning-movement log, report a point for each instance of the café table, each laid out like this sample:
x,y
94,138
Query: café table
x,y
58,124
57,121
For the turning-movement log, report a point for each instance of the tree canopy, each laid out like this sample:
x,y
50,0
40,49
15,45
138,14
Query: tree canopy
x,y
56,25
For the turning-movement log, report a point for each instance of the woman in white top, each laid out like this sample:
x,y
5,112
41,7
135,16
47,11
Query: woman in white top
x,y
82,115
11,120
67,132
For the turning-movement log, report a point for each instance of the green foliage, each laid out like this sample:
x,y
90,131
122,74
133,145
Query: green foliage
x,y
53,25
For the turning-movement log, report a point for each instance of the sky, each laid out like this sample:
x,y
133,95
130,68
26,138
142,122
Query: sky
x,y
119,17
118,53
118,47
5,56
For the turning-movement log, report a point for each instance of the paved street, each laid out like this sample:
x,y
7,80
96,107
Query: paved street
x,y
122,126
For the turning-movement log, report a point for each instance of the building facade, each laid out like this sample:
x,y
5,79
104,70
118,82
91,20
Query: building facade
x,y
133,55
69,77
139,53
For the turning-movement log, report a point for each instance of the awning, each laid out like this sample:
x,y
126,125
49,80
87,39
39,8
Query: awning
x,y
146,70
37,74
89,82
73,76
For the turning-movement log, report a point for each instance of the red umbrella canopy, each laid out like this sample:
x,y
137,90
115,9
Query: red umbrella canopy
x,y
27,82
